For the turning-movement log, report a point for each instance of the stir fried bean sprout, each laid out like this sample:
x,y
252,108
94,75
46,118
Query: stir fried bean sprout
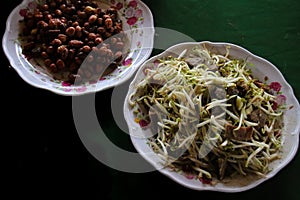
x,y
210,117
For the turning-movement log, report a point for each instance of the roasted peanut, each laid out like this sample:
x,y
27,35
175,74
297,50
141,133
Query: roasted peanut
x,y
101,30
56,42
48,17
63,52
62,37
92,36
75,43
53,67
58,12
60,64
86,49
48,62
100,21
98,40
86,25
78,32
50,50
62,7
118,56
89,10
38,17
81,14
70,31
45,7
71,54
92,19
42,24
108,23
44,54
75,24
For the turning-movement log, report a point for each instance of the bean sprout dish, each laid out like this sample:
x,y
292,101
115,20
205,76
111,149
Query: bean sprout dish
x,y
210,117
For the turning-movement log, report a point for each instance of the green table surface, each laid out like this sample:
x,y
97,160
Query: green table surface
x,y
44,156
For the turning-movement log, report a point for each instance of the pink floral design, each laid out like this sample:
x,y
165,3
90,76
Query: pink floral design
x,y
156,62
32,5
132,4
205,180
138,13
189,176
281,99
81,89
65,84
119,6
275,86
129,13
23,12
67,89
143,123
132,20
127,62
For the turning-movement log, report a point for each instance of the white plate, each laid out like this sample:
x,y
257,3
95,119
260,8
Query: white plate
x,y
137,21
263,68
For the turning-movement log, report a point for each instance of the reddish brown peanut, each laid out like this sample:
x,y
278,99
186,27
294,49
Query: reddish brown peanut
x,y
98,40
86,49
62,37
75,43
92,19
60,64
70,31
78,32
108,23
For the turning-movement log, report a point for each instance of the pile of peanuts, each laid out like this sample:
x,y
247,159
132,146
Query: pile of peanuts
x,y
76,39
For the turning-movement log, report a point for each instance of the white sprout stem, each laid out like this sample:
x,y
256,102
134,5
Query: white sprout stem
x,y
270,113
201,171
188,139
220,105
250,123
253,154
182,54
209,120
163,146
269,129
214,121
240,121
188,98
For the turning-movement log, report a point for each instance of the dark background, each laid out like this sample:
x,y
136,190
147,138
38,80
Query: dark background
x,y
44,157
